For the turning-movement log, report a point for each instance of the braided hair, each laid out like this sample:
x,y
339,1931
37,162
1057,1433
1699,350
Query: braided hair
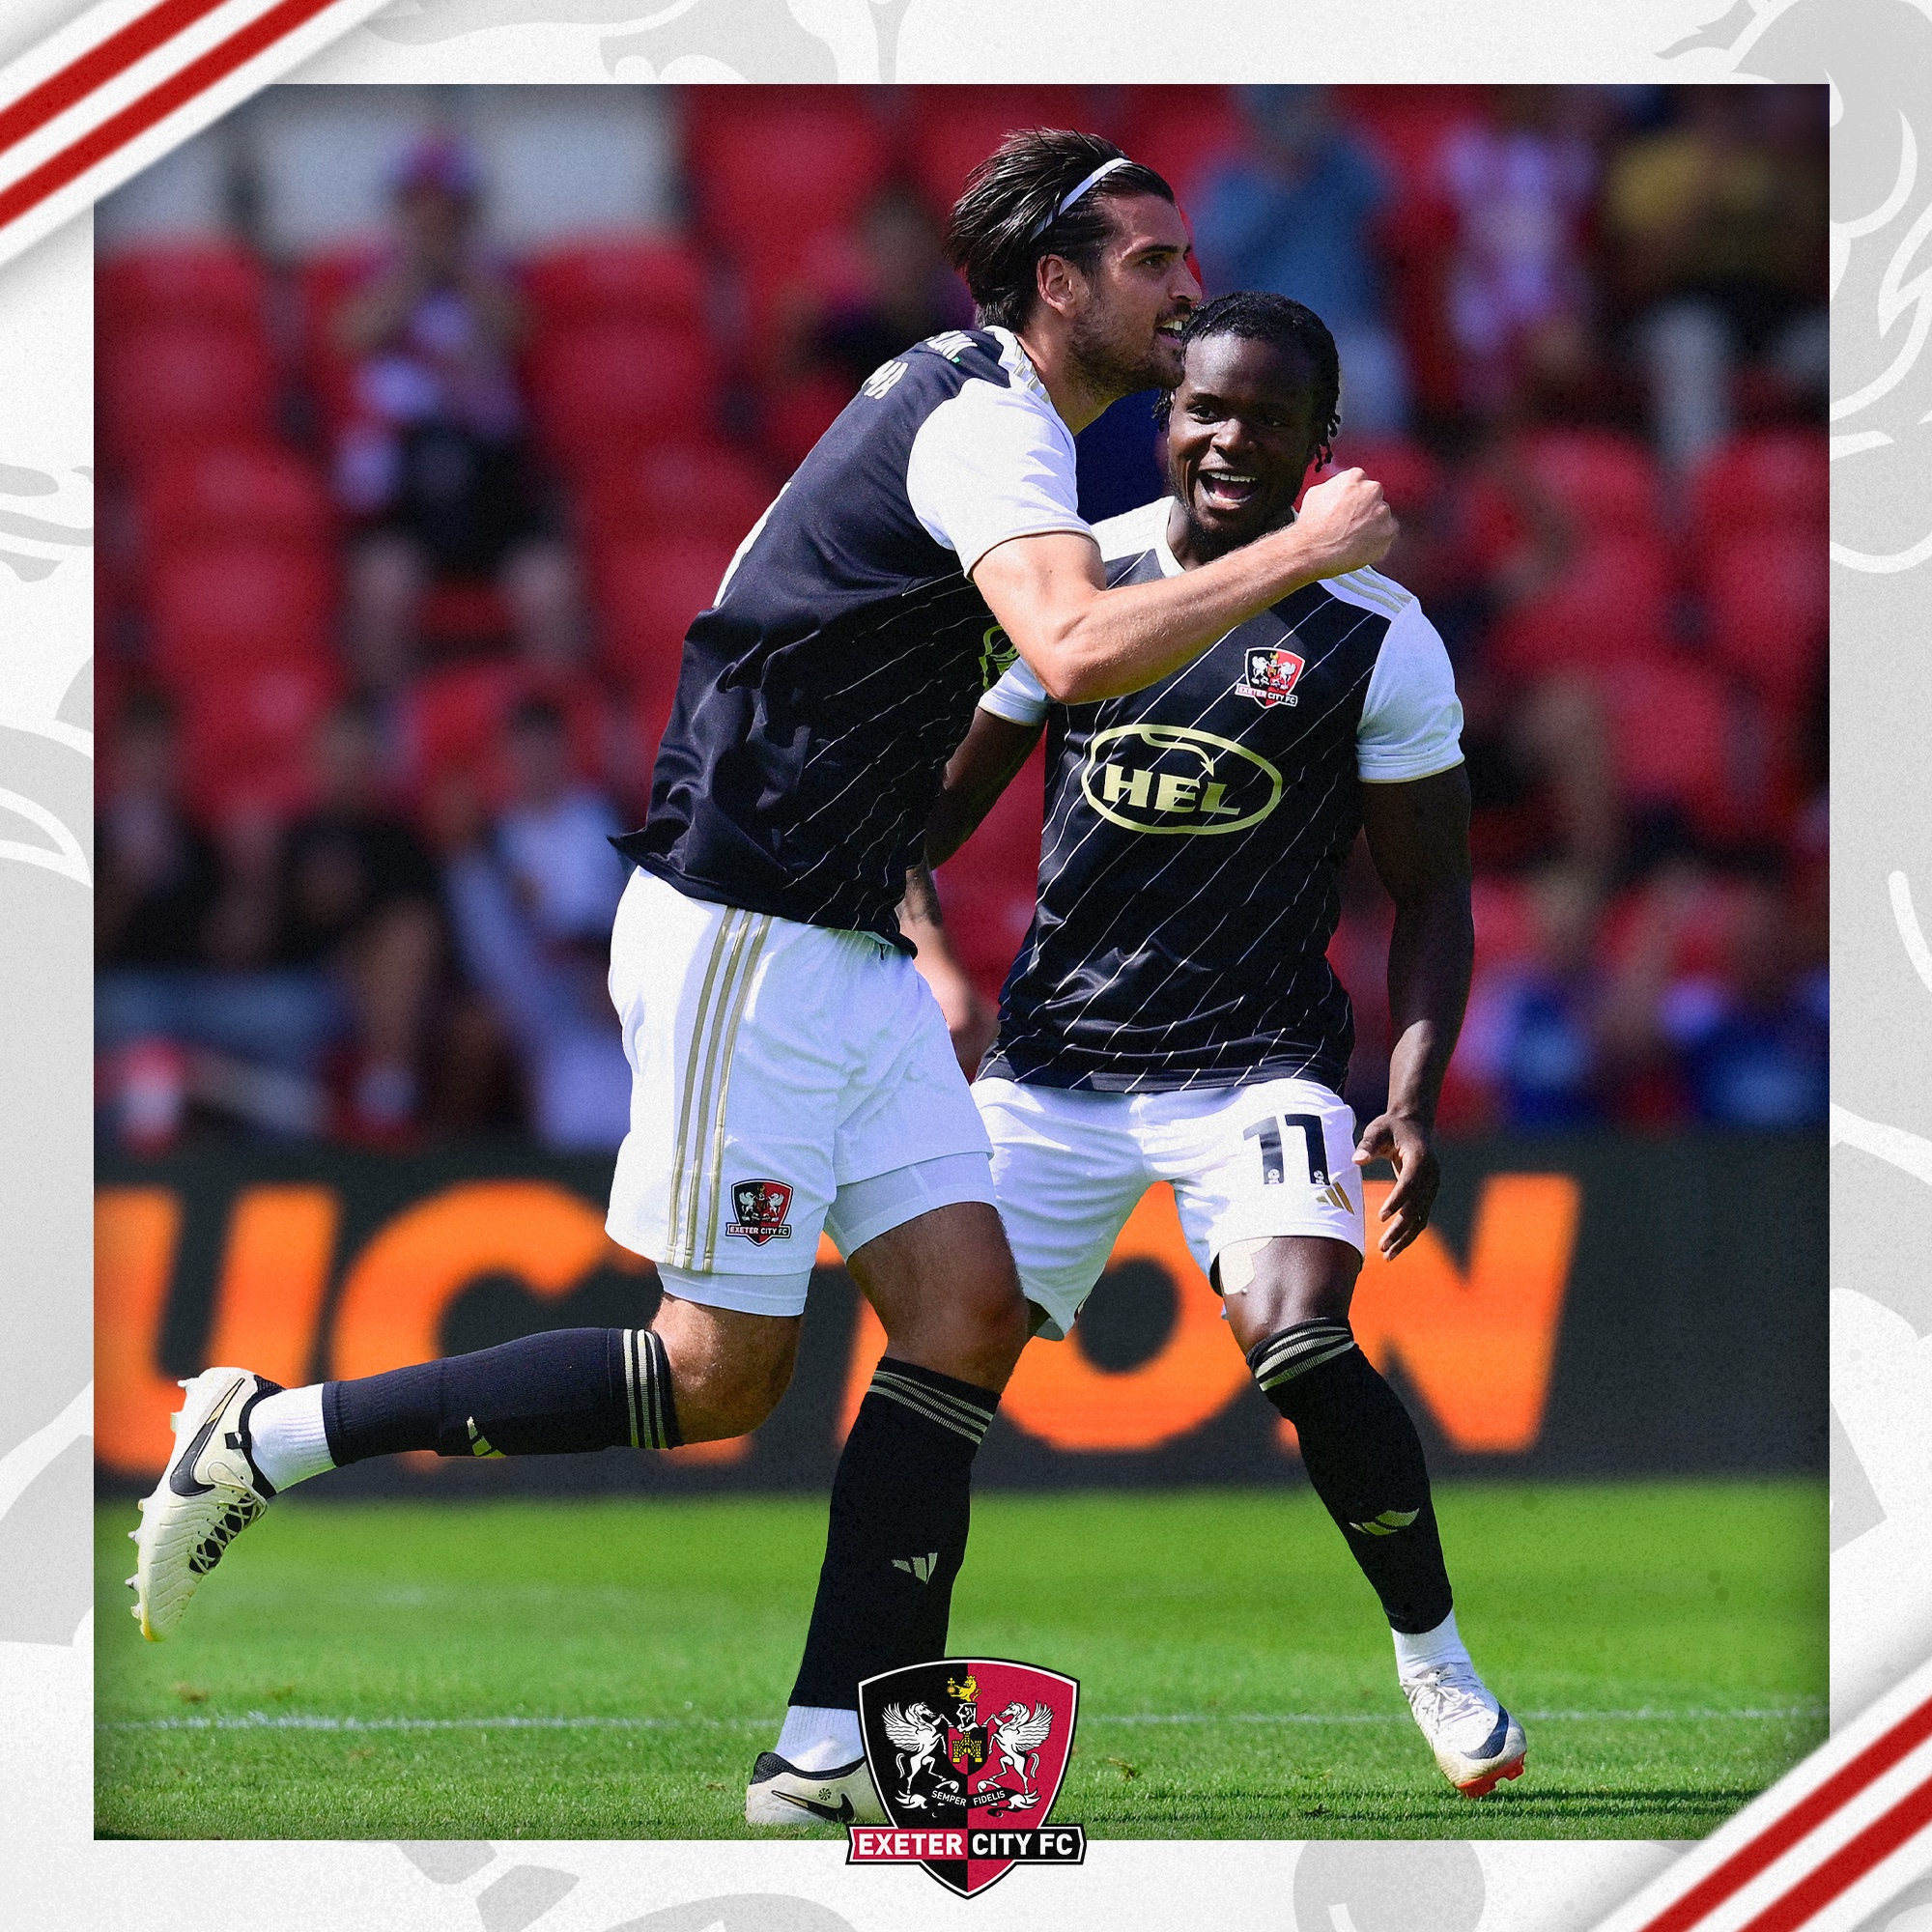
x,y
1256,315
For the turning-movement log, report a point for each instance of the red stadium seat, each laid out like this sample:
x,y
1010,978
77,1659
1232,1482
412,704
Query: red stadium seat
x,y
1776,479
781,161
797,413
1411,477
237,490
695,490
1671,738
463,612
648,593
1182,133
208,282
1610,608
1768,599
1605,482
453,718
220,604
246,735
617,280
955,129
169,387
607,387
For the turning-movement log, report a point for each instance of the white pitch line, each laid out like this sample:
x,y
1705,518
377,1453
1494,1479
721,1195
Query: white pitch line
x,y
296,1720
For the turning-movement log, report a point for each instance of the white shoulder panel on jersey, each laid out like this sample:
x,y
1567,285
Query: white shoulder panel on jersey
x,y
1411,724
990,463
1134,532
1370,589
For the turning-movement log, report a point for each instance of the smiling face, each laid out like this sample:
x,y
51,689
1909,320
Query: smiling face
x,y
1240,436
1126,315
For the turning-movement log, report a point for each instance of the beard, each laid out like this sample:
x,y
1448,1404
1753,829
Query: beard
x,y
1118,361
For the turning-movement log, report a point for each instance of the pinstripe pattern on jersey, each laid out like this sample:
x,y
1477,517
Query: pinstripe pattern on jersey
x,y
819,700
1163,963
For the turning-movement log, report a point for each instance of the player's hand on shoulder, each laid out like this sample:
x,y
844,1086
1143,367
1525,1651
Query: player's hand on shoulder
x,y
1349,519
1401,1140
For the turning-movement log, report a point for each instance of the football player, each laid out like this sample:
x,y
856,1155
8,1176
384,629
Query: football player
x,y
1173,1016
790,1069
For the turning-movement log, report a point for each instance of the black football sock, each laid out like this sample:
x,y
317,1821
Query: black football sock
x,y
1364,1458
897,1531
543,1395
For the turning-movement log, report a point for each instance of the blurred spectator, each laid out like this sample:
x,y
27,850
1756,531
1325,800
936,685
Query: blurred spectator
x,y
1297,215
1547,1035
183,1013
531,900
358,909
909,293
1755,1039
435,464
157,874
1718,228
1523,186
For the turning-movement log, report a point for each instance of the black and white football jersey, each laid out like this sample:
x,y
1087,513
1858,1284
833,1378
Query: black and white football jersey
x,y
1196,831
821,696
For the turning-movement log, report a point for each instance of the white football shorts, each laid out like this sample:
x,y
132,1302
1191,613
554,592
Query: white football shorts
x,y
1246,1163
784,1078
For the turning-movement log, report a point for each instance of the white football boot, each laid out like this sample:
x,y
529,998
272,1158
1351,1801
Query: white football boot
x,y
208,1494
781,1794
1476,1741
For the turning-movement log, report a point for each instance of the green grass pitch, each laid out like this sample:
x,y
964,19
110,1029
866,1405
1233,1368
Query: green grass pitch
x,y
609,1668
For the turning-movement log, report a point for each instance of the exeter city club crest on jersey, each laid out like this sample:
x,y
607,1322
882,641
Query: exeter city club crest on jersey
x,y
967,1755
1271,676
763,1211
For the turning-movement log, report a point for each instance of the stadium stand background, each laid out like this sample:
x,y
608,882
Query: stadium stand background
x,y
1583,336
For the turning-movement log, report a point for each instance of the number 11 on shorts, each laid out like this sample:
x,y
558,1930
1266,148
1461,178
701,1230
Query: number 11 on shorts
x,y
1273,1168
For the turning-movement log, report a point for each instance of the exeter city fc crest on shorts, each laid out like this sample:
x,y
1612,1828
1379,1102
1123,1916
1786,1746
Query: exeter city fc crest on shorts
x,y
763,1211
967,1755
1271,676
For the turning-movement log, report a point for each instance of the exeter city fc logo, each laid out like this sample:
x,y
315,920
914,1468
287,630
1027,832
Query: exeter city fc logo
x,y
764,1208
1271,676
967,1755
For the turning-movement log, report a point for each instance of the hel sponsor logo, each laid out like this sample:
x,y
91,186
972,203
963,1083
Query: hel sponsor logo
x,y
1271,676
764,1208
957,1749
882,381
997,652
1169,778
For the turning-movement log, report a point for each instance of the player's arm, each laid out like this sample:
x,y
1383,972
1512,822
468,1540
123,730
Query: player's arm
x,y
970,1020
1419,838
1084,641
982,767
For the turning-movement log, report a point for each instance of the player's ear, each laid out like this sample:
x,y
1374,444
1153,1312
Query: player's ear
x,y
1059,284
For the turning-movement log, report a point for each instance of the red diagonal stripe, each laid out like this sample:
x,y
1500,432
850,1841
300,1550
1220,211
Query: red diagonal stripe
x,y
1849,1864
1781,1833
135,119
97,65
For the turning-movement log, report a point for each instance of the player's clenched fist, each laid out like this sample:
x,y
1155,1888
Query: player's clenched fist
x,y
1350,518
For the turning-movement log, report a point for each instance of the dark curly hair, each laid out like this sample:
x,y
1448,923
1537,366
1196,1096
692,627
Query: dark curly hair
x,y
1009,216
1258,316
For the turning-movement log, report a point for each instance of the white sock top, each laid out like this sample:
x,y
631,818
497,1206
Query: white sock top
x,y
817,1739
285,1436
1428,1648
